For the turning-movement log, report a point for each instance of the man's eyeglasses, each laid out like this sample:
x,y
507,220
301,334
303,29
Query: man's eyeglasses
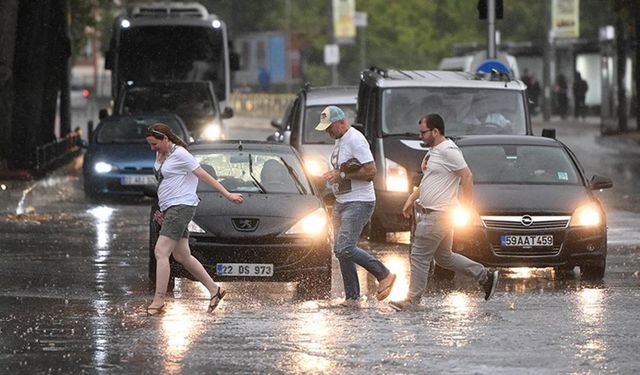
x,y
422,132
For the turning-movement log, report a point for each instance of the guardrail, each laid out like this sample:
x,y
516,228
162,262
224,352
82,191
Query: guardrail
x,y
260,105
54,153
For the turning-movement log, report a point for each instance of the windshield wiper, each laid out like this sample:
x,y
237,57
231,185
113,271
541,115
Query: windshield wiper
x,y
255,181
293,174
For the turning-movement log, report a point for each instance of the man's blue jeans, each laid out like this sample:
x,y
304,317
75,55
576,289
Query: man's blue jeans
x,y
348,221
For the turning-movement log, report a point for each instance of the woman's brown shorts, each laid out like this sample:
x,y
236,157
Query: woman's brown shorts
x,y
176,220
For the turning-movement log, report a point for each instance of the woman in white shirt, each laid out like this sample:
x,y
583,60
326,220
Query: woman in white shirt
x,y
178,172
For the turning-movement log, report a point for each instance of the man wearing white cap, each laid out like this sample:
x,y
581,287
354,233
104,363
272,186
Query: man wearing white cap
x,y
351,182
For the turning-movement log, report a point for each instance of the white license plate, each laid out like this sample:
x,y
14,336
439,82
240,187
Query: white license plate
x,y
527,240
138,180
244,269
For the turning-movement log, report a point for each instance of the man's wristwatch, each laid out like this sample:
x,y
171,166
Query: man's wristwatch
x,y
343,175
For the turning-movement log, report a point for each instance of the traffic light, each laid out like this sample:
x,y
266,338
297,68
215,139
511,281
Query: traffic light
x,y
482,9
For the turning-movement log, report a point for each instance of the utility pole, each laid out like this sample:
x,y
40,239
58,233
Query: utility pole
x,y
491,29
546,66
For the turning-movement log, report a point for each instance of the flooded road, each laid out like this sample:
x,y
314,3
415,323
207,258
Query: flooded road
x,y
74,287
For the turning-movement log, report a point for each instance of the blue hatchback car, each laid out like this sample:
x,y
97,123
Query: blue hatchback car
x,y
118,160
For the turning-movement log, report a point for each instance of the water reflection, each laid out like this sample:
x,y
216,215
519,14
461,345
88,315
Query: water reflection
x,y
102,215
400,266
590,303
458,324
312,334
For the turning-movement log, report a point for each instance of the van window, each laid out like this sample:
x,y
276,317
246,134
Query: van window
x,y
465,111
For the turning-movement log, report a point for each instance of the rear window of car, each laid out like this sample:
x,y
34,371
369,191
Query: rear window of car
x,y
254,171
520,164
133,130
465,111
312,118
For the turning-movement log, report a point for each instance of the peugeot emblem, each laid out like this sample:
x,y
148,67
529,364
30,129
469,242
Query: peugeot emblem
x,y
245,225
526,220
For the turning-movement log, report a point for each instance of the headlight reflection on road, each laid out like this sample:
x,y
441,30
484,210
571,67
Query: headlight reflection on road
x,y
311,333
179,327
590,302
456,327
399,266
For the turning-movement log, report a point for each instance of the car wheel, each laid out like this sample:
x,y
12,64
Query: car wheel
x,y
315,285
377,232
593,271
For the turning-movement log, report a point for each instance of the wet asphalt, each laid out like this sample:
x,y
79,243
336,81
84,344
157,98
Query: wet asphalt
x,y
74,287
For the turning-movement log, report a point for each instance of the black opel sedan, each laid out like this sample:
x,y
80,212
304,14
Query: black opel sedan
x,y
534,206
281,231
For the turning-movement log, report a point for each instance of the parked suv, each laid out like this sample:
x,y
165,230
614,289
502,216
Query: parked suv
x,y
390,103
194,101
301,117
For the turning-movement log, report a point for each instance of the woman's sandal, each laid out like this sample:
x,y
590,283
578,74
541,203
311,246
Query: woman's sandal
x,y
154,311
215,300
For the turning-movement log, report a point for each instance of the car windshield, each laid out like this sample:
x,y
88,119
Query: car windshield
x,y
464,110
133,129
261,172
185,100
520,164
311,119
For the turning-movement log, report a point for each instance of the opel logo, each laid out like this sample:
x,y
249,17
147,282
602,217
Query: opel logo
x,y
526,220
245,225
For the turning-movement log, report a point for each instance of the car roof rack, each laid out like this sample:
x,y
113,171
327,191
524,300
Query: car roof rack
x,y
169,10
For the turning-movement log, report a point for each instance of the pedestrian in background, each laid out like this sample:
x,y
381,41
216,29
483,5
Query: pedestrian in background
x,y
444,172
355,201
580,88
177,172
561,90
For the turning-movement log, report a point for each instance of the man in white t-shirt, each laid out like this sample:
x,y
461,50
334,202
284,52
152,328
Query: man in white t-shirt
x,y
351,181
444,172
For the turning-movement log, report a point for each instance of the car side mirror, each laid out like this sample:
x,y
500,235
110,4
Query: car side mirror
x,y
549,133
227,113
600,182
103,113
276,123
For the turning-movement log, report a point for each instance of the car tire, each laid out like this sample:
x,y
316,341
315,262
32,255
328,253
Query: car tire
x,y
593,271
377,232
314,285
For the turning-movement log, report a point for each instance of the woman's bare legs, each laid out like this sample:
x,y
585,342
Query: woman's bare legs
x,y
162,251
182,254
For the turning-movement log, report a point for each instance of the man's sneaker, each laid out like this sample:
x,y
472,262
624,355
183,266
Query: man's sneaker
x,y
350,303
405,304
490,285
384,286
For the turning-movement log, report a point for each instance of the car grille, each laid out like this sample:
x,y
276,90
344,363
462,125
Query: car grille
x,y
527,252
517,222
144,170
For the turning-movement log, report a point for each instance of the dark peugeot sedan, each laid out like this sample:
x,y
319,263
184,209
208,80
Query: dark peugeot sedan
x,y
280,232
118,160
535,206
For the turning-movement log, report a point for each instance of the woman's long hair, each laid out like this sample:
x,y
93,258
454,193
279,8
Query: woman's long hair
x,y
160,130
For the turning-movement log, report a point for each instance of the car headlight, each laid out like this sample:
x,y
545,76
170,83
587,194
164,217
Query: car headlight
x,y
102,167
588,215
396,177
464,217
212,132
312,224
315,166
194,228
